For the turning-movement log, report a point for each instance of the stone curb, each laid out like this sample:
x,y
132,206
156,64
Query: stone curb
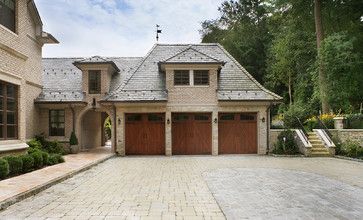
x,y
349,158
286,155
10,201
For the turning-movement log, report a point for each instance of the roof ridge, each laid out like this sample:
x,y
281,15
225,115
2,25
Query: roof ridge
x,y
186,44
190,47
247,73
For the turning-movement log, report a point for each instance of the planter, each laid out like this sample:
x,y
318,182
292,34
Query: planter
x,y
74,149
339,122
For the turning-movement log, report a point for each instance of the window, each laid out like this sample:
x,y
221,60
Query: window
x,y
201,77
227,117
201,117
8,111
94,81
56,122
181,77
247,117
155,117
132,118
7,14
180,117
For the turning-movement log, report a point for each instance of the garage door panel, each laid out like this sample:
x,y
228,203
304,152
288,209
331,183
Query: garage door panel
x,y
191,133
145,134
237,133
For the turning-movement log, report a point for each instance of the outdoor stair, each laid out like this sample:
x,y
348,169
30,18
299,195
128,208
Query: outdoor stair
x,y
318,149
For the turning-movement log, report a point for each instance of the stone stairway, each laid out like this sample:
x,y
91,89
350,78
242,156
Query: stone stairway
x,y
318,149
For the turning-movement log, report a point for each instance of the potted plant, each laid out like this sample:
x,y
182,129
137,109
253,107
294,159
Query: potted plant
x,y
73,142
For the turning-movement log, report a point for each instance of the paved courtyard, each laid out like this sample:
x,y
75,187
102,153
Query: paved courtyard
x,y
203,187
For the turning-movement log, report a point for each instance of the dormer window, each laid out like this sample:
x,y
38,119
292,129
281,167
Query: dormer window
x,y
7,14
181,78
94,82
191,77
201,77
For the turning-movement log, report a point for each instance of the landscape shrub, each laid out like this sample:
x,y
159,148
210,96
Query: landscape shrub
x,y
311,123
290,116
354,121
73,139
15,164
28,163
34,144
38,159
45,156
4,168
55,159
286,143
54,147
328,120
351,148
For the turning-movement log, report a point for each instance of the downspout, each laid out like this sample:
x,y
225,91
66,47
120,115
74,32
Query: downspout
x,y
268,128
73,118
115,128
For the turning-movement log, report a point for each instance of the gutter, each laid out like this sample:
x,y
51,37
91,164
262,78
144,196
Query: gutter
x,y
115,128
268,128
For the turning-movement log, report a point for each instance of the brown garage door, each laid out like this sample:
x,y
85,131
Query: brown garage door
x,y
191,133
237,133
145,134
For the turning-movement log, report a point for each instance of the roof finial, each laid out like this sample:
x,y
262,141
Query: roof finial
x,y
158,31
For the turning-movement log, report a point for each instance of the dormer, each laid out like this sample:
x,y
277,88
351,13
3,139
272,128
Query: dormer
x,y
191,67
96,75
190,73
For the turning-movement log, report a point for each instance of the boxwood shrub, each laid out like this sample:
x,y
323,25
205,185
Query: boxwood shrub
x,y
286,143
55,159
38,159
45,156
4,168
28,163
15,164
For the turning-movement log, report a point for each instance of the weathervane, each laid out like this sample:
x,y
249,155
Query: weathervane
x,y
158,31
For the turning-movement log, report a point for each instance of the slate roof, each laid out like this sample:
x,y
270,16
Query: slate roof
x,y
97,60
191,55
140,79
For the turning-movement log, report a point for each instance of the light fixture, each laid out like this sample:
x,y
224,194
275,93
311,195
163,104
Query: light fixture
x,y
215,120
263,120
119,121
168,121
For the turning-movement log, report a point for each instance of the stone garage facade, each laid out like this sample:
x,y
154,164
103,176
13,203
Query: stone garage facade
x,y
180,99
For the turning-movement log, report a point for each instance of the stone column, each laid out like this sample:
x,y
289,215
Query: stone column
x,y
168,121
215,122
120,132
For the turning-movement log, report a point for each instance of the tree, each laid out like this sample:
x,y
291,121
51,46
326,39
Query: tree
x,y
319,38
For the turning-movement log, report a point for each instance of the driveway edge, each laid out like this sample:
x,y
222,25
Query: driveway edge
x,y
8,202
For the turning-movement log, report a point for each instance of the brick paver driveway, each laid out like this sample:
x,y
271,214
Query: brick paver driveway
x,y
183,188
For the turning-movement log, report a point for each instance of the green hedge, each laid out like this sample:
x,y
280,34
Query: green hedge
x,y
38,159
28,163
55,159
286,143
4,168
15,164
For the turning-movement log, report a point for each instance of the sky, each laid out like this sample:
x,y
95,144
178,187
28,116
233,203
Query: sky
x,y
121,27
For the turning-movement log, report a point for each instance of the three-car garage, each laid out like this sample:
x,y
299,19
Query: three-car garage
x,y
191,133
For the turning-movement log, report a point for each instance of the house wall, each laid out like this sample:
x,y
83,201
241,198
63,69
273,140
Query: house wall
x,y
20,55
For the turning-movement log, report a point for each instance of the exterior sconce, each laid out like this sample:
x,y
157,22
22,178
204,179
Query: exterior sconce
x,y
263,120
119,121
215,120
94,104
168,121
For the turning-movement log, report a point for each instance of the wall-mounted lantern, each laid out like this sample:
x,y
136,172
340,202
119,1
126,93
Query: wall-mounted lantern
x,y
119,121
263,120
168,121
215,120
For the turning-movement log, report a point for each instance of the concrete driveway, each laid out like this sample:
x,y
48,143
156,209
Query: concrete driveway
x,y
203,187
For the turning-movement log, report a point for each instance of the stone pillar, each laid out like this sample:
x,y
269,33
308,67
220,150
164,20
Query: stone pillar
x,y
120,133
339,122
215,122
168,141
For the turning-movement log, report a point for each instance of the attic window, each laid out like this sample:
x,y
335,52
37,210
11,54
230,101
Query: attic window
x,y
181,77
7,14
201,77
94,81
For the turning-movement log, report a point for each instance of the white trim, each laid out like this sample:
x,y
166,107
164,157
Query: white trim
x,y
12,146
10,77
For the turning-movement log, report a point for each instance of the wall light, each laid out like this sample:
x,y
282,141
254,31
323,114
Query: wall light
x,y
215,120
119,121
263,120
168,121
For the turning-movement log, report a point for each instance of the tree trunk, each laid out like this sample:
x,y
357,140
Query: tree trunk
x,y
319,39
290,92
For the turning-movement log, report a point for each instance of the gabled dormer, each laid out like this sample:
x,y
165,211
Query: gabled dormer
x,y
96,75
190,73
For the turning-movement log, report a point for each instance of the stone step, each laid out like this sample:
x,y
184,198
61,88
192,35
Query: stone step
x,y
315,141
320,155
319,149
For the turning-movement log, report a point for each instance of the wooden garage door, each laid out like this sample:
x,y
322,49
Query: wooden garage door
x,y
191,133
237,133
145,134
